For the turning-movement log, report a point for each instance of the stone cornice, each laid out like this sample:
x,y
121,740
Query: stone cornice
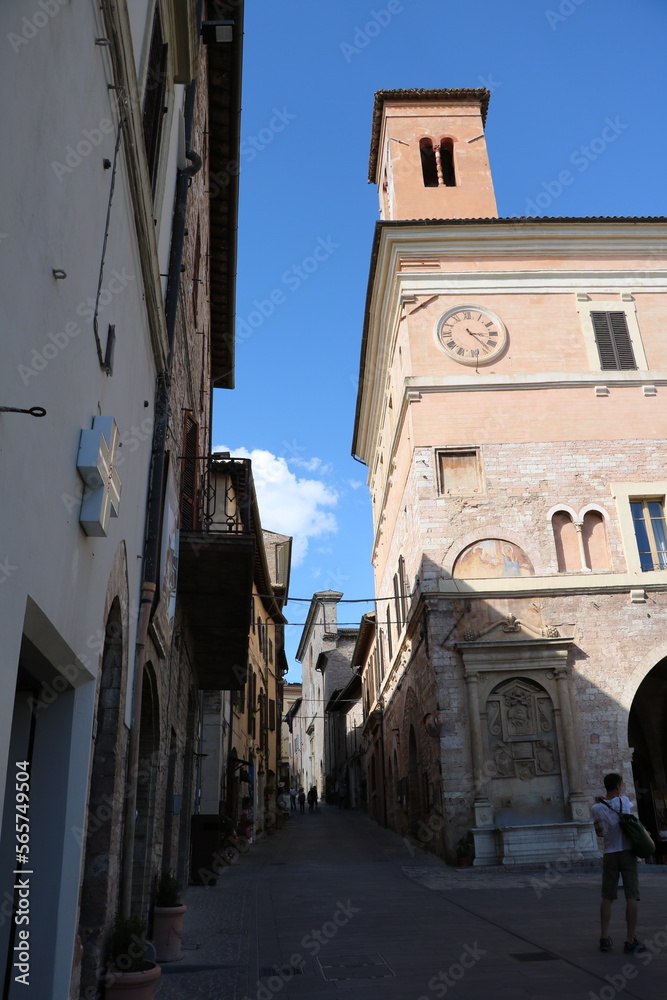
x,y
538,380
557,585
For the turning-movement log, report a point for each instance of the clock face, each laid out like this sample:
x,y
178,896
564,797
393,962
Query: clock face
x,y
471,335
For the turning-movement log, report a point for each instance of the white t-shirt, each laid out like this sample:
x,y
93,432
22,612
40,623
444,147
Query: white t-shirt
x,y
607,818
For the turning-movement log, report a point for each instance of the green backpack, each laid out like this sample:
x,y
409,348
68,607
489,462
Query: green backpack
x,y
641,842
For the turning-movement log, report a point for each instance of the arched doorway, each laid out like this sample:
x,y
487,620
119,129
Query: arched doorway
x,y
414,804
373,798
647,735
142,867
104,825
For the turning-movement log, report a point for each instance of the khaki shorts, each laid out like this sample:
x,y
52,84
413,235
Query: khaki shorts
x,y
619,863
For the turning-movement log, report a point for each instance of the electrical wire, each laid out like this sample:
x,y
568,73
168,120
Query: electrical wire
x,y
103,364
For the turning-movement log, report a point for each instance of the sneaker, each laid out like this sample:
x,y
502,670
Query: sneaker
x,y
605,944
633,947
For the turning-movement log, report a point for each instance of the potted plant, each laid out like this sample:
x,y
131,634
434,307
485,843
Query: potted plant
x,y
129,975
465,851
168,919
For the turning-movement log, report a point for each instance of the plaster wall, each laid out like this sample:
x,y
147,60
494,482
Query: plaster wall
x,y
55,219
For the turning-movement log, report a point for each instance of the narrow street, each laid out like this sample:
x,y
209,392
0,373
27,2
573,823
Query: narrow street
x,y
334,904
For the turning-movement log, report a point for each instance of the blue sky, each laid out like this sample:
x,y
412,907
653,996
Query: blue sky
x,y
561,75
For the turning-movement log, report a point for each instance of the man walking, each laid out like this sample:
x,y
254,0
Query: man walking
x,y
617,860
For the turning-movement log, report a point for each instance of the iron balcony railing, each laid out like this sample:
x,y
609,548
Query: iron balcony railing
x,y
216,494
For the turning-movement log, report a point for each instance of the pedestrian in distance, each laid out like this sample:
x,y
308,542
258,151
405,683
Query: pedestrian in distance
x,y
617,860
302,800
312,799
292,799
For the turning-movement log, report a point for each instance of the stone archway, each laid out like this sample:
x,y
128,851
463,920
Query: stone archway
x,y
149,742
104,825
647,736
414,803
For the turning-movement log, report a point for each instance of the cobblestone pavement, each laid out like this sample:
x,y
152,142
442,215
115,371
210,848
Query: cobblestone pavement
x,y
335,905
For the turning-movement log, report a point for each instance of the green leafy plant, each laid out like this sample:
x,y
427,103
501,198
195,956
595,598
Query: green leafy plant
x,y
167,892
465,849
128,944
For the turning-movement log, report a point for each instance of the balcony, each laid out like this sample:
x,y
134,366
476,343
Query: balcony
x,y
216,564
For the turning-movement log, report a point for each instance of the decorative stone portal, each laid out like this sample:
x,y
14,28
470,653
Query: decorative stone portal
x,y
528,805
524,762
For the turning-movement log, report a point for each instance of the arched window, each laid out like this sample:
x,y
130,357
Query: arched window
x,y
565,539
447,162
429,167
595,540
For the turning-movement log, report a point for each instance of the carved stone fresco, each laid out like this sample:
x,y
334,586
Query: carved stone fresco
x,y
521,731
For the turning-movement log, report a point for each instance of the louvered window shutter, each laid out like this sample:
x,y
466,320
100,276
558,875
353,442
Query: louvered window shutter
x,y
153,109
613,339
189,477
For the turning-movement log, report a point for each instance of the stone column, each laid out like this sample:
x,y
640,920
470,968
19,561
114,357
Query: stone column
x,y
578,527
577,804
483,809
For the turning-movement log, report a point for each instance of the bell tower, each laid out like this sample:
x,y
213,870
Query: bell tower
x,y
429,157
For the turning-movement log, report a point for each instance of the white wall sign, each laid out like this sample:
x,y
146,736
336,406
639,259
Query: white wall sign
x,y
96,465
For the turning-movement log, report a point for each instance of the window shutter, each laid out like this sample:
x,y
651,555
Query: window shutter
x,y
272,714
613,340
153,110
189,476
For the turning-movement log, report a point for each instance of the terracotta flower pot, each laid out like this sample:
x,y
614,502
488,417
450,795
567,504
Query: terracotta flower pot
x,y
168,932
132,985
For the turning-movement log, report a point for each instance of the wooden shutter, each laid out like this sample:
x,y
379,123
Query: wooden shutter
x,y
189,477
272,714
153,110
613,339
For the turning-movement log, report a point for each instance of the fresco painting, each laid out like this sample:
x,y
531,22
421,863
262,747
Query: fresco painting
x,y
492,557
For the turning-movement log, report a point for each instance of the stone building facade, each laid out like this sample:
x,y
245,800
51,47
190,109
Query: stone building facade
x,y
325,653
119,319
240,745
508,413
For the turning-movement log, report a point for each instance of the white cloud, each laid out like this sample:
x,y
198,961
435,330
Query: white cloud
x,y
289,505
354,483
312,465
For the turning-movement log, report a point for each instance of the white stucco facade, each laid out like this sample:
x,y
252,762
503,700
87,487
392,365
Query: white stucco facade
x,y
58,583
